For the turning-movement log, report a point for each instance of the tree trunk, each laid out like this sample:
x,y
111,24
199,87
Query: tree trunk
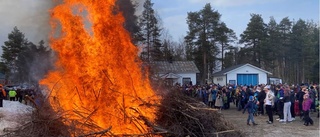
x,y
222,52
205,69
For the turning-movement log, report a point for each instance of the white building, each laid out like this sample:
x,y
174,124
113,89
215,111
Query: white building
x,y
182,72
243,74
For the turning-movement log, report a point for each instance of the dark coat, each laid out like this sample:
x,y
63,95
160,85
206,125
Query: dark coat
x,y
262,96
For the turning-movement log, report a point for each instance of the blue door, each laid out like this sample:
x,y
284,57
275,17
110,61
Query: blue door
x,y
247,79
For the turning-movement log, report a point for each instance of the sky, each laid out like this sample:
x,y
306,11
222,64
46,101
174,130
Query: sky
x,y
235,13
32,16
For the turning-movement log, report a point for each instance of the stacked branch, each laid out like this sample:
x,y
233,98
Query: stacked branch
x,y
181,115
178,115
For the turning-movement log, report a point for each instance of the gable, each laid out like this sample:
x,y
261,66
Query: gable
x,y
248,68
238,67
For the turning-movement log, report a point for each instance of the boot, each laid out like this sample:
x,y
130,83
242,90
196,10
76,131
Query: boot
x,y
248,123
254,124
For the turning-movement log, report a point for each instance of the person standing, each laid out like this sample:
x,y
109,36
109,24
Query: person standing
x,y
261,97
299,97
306,105
287,106
219,101
269,102
2,95
292,100
280,102
12,94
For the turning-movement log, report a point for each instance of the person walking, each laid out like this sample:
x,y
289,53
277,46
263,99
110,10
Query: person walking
x,y
250,106
2,95
268,101
306,105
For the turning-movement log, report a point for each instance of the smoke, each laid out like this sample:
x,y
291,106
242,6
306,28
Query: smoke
x,y
139,4
30,16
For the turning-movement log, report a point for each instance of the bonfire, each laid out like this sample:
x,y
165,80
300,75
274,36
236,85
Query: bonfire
x,y
98,87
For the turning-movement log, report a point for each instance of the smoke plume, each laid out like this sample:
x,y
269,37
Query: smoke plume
x,y
30,16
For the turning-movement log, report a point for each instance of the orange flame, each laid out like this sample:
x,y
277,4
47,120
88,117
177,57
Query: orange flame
x,y
98,74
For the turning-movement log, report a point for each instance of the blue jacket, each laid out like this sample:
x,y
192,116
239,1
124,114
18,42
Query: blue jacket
x,y
249,106
214,94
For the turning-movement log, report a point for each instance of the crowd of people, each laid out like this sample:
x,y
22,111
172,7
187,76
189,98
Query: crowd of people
x,y
23,95
286,101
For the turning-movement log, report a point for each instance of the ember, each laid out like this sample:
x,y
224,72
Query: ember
x,y
97,80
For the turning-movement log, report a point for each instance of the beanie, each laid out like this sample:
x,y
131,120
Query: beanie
x,y
250,98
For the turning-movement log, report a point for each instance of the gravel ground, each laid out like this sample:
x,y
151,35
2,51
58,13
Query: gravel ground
x,y
293,129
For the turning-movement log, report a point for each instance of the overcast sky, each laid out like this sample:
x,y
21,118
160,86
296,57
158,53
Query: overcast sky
x,y
31,16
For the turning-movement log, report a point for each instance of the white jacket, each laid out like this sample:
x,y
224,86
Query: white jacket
x,y
269,98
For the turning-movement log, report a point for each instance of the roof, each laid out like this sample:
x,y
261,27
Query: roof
x,y
225,71
175,67
170,75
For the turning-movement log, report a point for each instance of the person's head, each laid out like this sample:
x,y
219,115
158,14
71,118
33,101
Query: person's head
x,y
266,88
251,98
278,87
305,96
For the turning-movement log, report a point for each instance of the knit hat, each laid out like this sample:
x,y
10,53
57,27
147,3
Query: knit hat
x,y
250,98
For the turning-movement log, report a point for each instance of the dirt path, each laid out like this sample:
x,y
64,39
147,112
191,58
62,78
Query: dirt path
x,y
293,129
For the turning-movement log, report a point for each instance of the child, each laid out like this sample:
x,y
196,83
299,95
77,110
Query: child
x,y
250,105
306,104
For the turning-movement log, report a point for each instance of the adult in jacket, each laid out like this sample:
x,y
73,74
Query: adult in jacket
x,y
2,95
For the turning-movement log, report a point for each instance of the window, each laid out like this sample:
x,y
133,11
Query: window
x,y
220,79
186,80
233,82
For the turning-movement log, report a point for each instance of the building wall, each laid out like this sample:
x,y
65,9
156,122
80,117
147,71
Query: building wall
x,y
275,81
192,76
221,80
262,76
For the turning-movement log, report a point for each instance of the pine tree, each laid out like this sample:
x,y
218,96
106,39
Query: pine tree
x,y
150,31
254,37
224,36
201,39
15,44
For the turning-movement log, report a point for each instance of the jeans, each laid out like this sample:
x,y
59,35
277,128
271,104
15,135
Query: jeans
x,y
269,112
261,104
280,109
250,117
287,111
